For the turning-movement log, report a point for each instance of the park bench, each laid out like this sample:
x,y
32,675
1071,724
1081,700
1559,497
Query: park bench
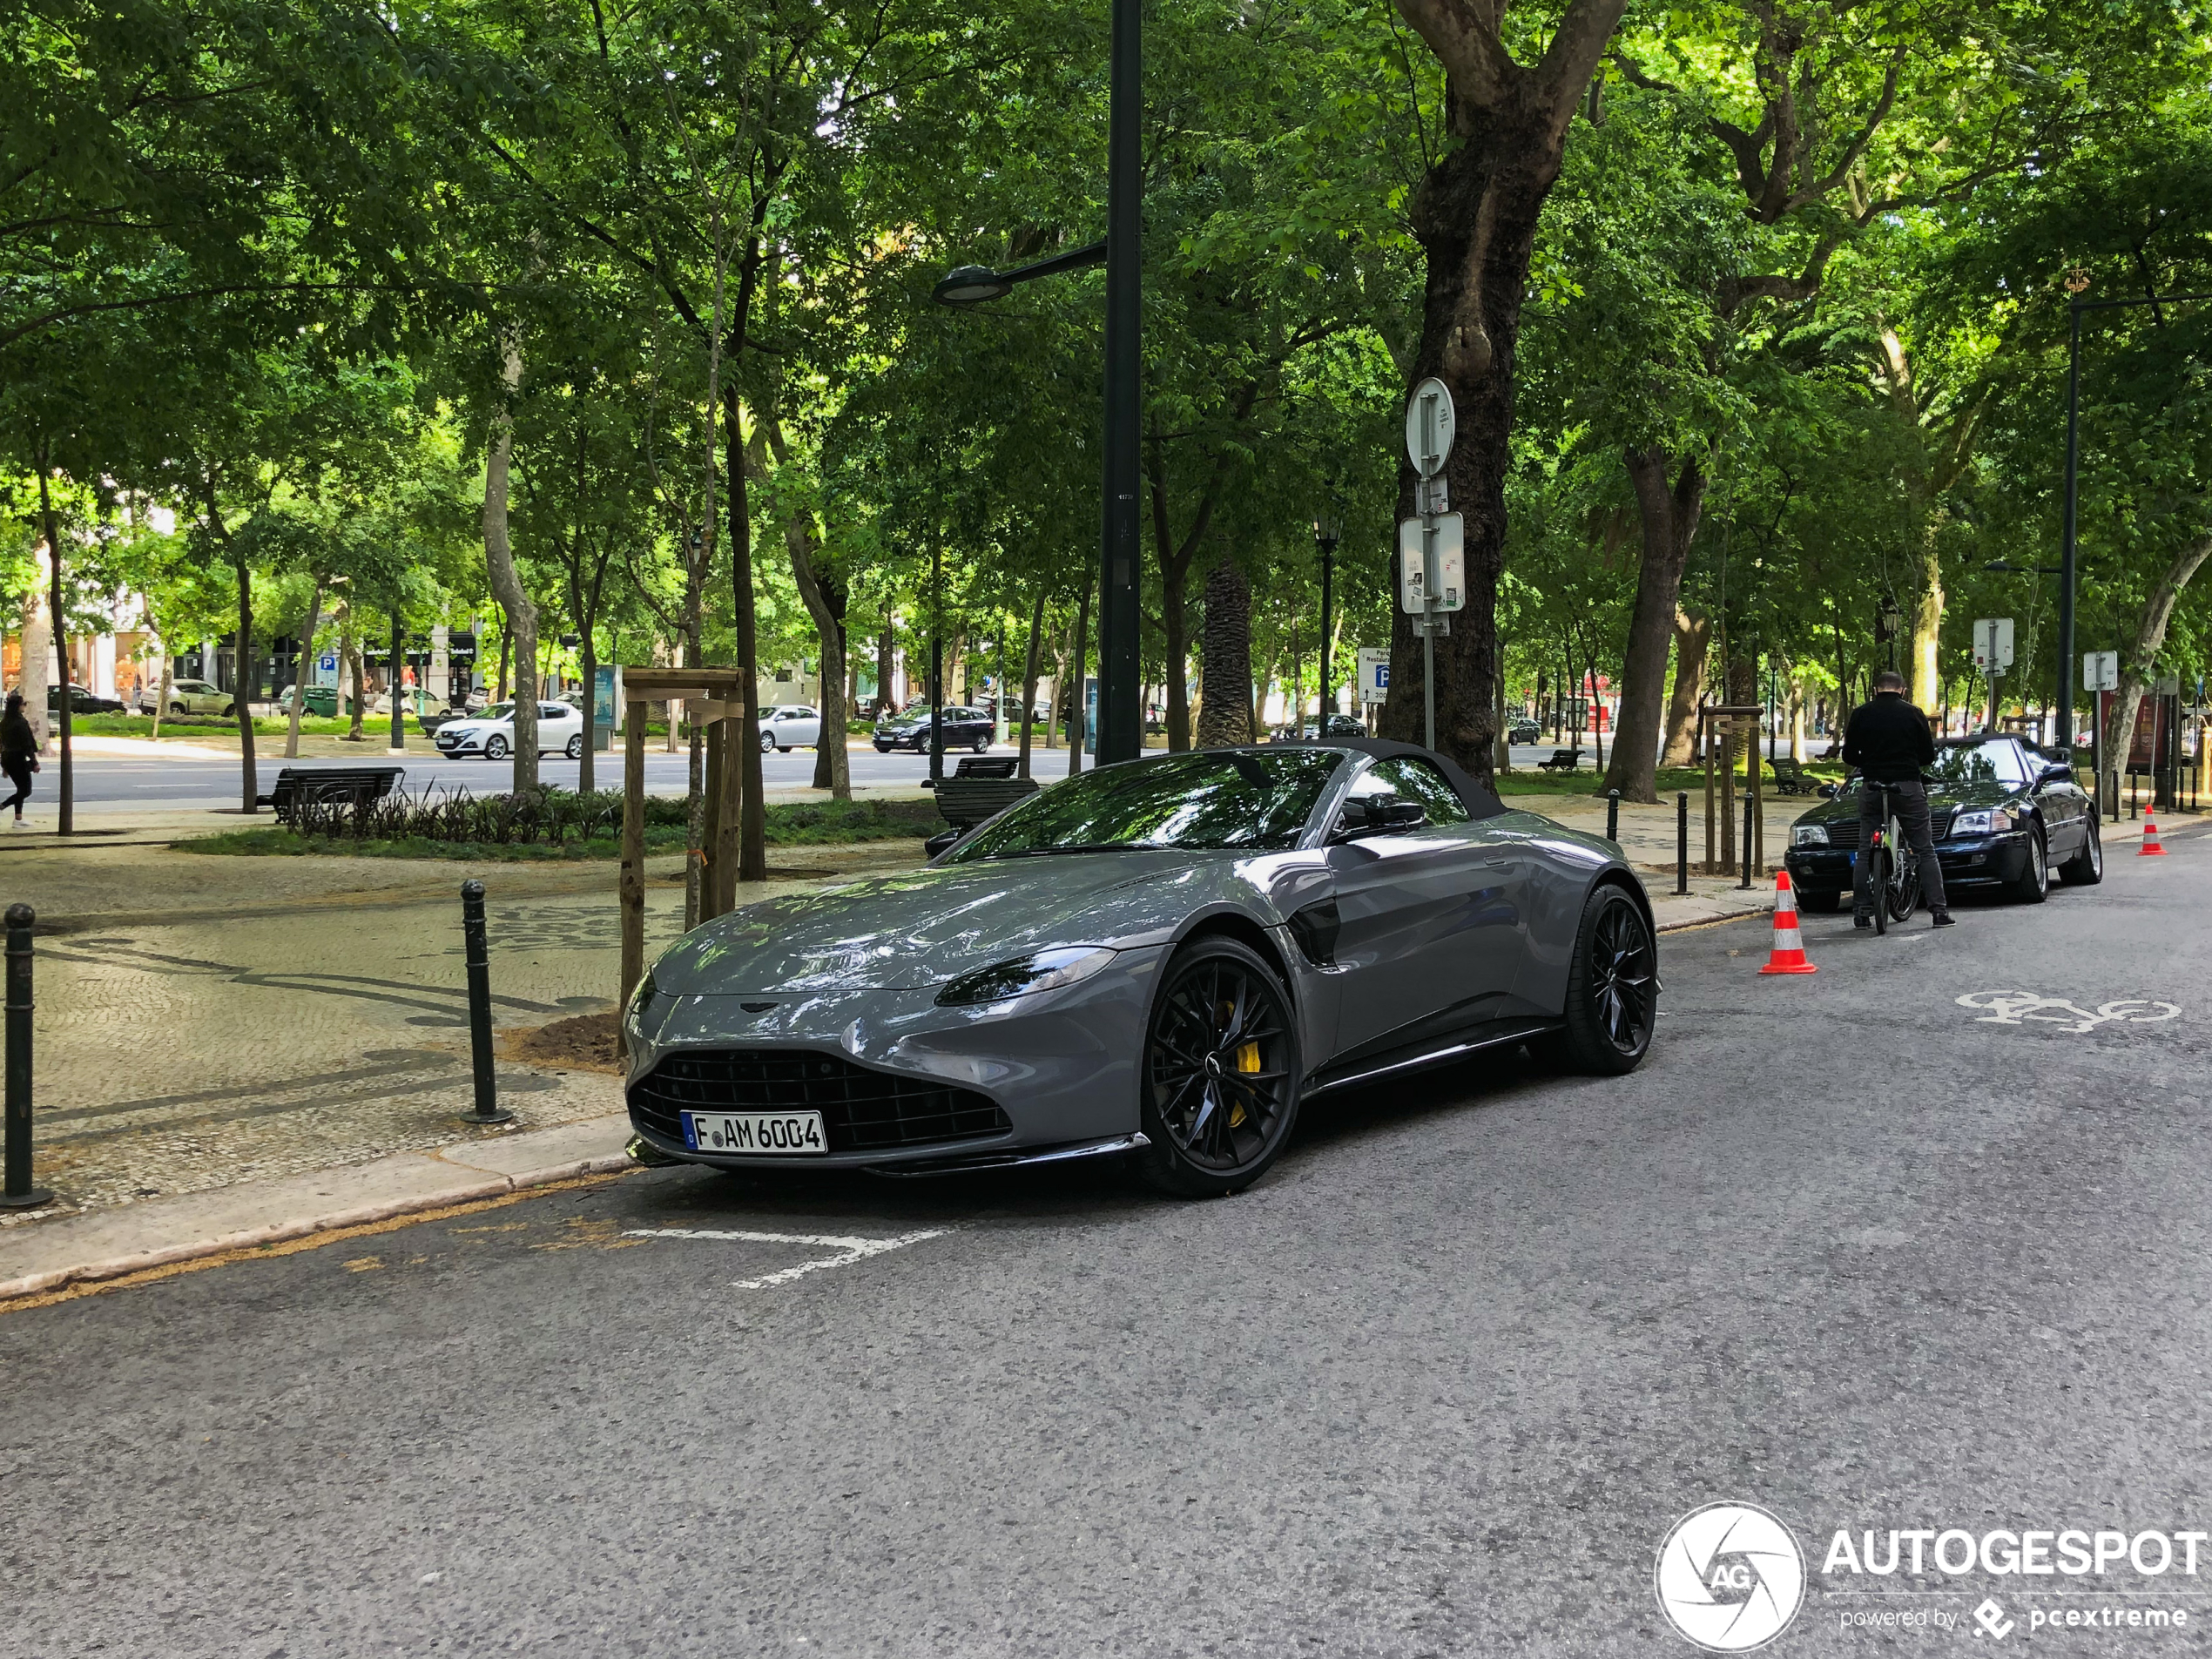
x,y
296,786
1791,778
979,789
1562,760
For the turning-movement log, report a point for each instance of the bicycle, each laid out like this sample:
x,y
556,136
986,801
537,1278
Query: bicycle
x,y
1893,874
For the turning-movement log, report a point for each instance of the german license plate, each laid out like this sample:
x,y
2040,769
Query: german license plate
x,y
776,1134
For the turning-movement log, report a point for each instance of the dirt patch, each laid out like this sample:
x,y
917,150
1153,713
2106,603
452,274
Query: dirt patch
x,y
586,1042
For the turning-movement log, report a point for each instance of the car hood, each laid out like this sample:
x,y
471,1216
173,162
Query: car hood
x,y
921,928
1942,799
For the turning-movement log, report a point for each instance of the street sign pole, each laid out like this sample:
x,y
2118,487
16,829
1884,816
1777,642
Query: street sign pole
x,y
1430,423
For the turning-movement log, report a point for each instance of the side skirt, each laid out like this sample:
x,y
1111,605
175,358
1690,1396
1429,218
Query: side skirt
x,y
1491,1034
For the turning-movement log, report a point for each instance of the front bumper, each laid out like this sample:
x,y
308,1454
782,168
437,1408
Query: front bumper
x,y
1975,861
1061,1066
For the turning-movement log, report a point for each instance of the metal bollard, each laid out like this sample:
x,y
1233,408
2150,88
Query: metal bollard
x,y
16,1190
2132,791
1681,842
1746,881
472,927
1612,816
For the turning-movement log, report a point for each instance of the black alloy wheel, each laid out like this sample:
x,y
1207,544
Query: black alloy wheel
x,y
2087,868
1612,986
1220,1083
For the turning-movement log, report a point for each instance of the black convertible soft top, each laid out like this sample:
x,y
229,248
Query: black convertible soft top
x,y
1481,801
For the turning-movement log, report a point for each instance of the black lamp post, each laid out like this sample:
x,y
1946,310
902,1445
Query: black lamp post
x,y
1328,530
1121,732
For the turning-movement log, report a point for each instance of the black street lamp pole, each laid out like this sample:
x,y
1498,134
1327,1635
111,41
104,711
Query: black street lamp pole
x,y
1121,732
1326,532
1120,735
2062,714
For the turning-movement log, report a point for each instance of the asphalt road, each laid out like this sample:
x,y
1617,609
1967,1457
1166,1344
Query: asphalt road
x,y
174,779
1844,1248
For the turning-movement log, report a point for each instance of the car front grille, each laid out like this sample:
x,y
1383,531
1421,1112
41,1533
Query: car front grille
x,y
862,1110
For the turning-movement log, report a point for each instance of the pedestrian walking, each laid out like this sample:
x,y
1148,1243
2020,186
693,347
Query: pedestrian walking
x,y
18,753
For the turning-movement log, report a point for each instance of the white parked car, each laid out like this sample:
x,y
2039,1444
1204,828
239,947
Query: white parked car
x,y
491,735
790,725
186,697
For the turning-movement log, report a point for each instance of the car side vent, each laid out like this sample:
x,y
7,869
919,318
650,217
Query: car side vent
x,y
1315,929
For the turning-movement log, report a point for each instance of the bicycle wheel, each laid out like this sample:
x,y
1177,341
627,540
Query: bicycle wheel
x,y
1903,894
1878,879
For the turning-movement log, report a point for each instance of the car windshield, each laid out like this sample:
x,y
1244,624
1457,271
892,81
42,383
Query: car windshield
x,y
1978,763
498,712
1224,799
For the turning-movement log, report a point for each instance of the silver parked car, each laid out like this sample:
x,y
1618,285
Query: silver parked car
x,y
1164,957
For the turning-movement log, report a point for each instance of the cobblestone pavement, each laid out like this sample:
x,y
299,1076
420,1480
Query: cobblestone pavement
x,y
277,1022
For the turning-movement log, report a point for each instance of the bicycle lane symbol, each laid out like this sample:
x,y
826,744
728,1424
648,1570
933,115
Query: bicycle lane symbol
x,y
2020,1007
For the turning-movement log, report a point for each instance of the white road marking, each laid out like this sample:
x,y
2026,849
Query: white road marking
x,y
855,1250
2017,1008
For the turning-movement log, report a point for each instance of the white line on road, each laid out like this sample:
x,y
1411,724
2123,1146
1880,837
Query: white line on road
x,y
856,1249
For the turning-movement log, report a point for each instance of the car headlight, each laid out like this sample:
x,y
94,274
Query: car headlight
x,y
1993,821
1040,970
648,1007
1809,835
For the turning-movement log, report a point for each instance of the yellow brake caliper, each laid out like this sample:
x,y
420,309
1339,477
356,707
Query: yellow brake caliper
x,y
1247,1061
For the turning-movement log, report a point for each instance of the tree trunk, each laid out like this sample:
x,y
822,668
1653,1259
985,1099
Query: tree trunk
x,y
2150,637
1475,217
825,601
506,582
753,814
242,686
1693,646
885,663
1670,522
1030,678
1225,658
587,777
1175,628
359,660
37,644
307,650
58,613
1077,712
1927,616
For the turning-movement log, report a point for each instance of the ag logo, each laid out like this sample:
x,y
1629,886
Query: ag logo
x,y
1730,1577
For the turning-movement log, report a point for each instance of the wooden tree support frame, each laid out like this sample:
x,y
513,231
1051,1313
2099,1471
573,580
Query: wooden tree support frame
x,y
713,697
1724,722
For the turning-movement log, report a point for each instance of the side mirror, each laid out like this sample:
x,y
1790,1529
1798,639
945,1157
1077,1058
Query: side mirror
x,y
1829,791
2054,775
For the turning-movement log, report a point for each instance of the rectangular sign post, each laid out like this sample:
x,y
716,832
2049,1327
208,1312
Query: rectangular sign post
x,y
1992,655
1374,675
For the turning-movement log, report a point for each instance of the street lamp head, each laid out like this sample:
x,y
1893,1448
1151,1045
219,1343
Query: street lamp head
x,y
1328,530
2077,281
971,285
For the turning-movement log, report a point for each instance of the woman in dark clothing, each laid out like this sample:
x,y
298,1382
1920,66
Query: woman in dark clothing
x,y
18,753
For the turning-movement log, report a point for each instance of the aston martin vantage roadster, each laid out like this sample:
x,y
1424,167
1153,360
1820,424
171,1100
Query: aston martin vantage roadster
x,y
1163,958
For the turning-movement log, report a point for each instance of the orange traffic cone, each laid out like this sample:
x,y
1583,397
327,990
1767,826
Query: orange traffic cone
x,y
1788,953
2151,848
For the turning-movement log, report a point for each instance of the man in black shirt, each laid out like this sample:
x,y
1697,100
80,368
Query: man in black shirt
x,y
1888,741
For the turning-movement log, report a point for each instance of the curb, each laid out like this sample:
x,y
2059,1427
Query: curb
x,y
305,1226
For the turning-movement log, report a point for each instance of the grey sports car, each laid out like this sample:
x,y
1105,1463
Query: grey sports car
x,y
1164,957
